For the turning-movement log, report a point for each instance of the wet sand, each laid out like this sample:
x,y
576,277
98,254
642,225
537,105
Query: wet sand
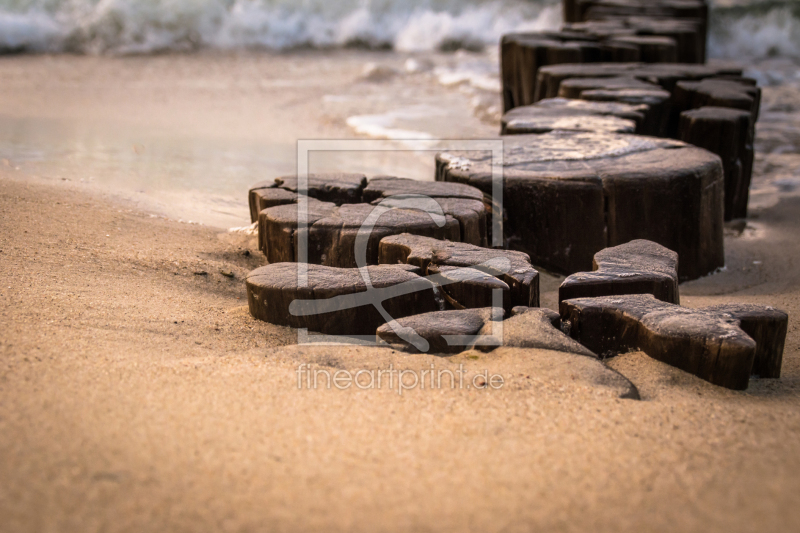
x,y
136,395
187,135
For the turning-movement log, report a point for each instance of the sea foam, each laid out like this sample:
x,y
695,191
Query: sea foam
x,y
739,28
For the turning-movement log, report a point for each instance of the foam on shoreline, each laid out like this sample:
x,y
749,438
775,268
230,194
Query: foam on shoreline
x,y
739,29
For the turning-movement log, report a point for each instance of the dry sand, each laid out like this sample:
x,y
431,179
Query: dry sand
x,y
138,396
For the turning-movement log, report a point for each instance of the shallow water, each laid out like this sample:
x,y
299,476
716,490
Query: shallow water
x,y
186,135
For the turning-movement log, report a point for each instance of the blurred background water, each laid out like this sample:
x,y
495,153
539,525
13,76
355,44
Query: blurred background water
x,y
182,104
740,27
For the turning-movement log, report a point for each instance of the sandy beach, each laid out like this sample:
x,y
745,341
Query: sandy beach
x,y
138,394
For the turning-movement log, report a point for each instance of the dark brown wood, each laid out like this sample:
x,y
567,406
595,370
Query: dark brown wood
x,y
549,78
765,325
335,300
653,9
331,240
729,92
456,212
277,227
522,54
703,343
467,288
381,187
336,188
331,231
573,87
689,35
619,52
462,202
574,115
652,48
567,195
570,10
729,134
616,31
512,268
655,101
264,198
600,29
666,75
637,267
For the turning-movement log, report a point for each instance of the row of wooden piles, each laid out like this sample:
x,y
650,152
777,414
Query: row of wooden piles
x,y
646,53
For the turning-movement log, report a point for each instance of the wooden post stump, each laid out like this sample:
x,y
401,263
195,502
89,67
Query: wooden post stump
x,y
652,49
574,115
336,301
656,102
340,206
711,343
637,267
729,134
431,255
567,195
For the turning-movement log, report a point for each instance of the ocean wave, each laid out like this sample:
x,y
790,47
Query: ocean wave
x,y
755,29
149,26
739,28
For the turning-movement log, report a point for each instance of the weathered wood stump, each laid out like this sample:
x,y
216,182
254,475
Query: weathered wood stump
x,y
566,196
440,210
549,79
689,35
652,48
277,228
336,188
332,240
574,87
654,101
522,54
520,281
600,29
687,84
462,202
767,326
708,343
336,301
637,267
264,198
467,288
729,134
574,115
581,10
734,92
666,75
570,11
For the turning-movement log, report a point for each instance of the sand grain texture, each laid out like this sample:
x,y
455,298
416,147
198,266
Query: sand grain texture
x,y
115,418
